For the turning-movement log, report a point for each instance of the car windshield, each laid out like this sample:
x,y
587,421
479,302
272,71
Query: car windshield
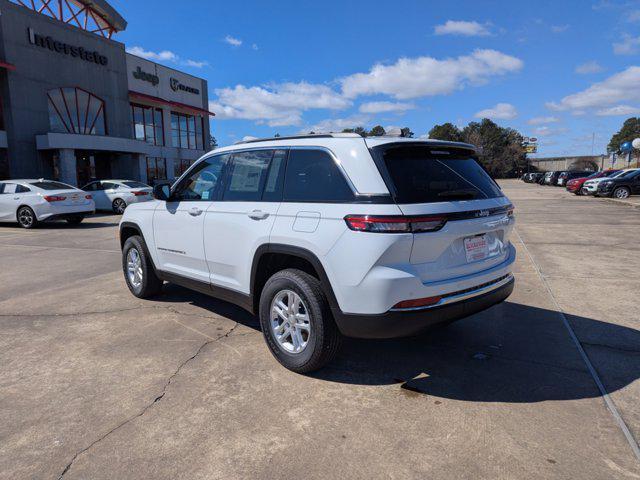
x,y
132,184
612,173
594,175
418,174
625,174
51,185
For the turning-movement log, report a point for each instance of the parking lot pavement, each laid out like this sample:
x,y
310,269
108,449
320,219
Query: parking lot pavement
x,y
95,383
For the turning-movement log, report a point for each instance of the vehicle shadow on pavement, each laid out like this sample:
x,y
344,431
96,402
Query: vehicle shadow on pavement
x,y
176,294
510,353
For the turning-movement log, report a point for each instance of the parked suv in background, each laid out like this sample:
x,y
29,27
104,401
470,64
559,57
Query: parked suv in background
x,y
620,187
590,187
576,185
329,235
564,177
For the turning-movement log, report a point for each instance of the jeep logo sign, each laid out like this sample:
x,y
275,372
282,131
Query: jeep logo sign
x,y
175,85
146,77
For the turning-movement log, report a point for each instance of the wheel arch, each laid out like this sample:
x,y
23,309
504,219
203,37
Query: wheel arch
x,y
273,257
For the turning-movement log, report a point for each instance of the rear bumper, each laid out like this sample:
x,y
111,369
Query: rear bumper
x,y
394,324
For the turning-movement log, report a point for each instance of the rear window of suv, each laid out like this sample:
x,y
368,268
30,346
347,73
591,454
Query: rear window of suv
x,y
421,174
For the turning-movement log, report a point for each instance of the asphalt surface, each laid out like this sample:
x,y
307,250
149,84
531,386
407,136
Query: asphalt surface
x,y
95,383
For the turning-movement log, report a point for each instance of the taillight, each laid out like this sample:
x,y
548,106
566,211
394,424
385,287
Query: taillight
x,y
137,194
88,197
417,303
395,223
510,209
54,198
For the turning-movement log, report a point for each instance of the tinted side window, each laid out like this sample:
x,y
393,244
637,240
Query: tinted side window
x,y
313,176
109,186
22,189
204,182
247,175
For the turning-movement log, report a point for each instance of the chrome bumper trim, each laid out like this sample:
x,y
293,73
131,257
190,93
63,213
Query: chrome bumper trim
x,y
460,297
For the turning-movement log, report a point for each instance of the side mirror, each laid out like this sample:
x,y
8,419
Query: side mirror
x,y
162,191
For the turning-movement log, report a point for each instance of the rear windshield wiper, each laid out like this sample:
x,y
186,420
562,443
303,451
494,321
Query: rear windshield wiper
x,y
463,193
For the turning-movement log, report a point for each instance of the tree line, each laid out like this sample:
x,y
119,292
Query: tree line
x,y
500,150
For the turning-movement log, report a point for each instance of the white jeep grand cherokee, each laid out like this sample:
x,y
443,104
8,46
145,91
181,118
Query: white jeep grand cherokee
x,y
329,235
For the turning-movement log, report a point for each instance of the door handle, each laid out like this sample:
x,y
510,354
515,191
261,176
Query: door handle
x,y
195,211
16,198
258,215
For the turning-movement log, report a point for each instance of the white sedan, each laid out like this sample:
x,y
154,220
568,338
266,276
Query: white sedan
x,y
29,202
115,195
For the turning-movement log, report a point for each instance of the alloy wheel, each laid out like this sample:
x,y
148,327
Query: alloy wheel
x,y
290,321
25,217
621,193
134,267
119,206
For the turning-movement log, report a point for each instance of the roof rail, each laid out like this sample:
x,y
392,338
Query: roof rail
x,y
298,137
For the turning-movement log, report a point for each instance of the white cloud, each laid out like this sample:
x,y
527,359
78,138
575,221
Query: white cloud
x,y
277,105
559,28
164,55
618,110
628,46
548,131
426,76
621,87
542,120
234,42
337,124
502,111
589,67
467,29
383,107
195,63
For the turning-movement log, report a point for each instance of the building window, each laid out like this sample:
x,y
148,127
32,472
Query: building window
x,y
148,124
74,110
156,169
187,131
181,166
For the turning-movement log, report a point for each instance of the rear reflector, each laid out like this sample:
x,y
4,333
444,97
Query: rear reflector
x,y
54,198
137,194
395,223
418,302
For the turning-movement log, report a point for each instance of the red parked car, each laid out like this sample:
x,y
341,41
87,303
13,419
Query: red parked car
x,y
575,185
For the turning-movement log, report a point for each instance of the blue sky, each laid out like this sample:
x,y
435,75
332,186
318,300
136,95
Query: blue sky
x,y
560,71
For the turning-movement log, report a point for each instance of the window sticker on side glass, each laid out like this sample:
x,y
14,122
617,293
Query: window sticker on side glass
x,y
205,195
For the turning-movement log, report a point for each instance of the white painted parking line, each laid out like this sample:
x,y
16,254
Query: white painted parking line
x,y
633,443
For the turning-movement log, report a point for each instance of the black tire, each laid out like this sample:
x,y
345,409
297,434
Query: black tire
x,y
621,193
75,220
583,192
118,206
324,338
26,218
150,285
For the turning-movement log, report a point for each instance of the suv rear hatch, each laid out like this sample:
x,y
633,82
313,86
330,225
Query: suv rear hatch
x,y
447,181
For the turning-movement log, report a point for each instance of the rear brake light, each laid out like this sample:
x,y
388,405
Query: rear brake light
x,y
88,197
510,209
137,194
395,223
418,302
54,198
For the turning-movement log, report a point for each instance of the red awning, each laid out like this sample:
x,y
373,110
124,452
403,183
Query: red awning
x,y
8,66
144,96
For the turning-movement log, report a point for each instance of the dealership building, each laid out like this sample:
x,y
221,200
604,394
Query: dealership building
x,y
76,106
